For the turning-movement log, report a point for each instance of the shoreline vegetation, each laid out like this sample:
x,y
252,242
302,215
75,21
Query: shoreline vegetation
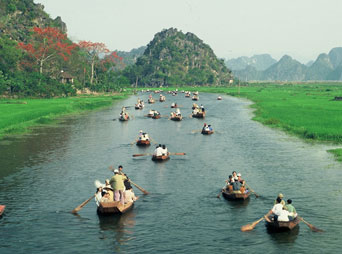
x,y
18,115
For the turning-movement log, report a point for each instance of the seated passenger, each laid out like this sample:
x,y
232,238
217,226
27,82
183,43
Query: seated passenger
x,y
129,195
277,208
106,197
284,215
281,196
289,207
164,150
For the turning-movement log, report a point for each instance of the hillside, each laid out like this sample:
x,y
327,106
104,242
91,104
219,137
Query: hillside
x,y
175,58
325,67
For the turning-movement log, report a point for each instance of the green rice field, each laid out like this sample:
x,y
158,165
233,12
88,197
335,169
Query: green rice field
x,y
16,116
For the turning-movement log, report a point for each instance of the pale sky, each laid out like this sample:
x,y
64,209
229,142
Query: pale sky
x,y
232,28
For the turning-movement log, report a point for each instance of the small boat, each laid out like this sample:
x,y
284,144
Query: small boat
x,y
175,117
160,158
235,195
151,100
139,106
174,105
219,98
207,132
195,98
200,114
114,207
280,226
156,116
2,209
187,94
141,142
124,118
162,98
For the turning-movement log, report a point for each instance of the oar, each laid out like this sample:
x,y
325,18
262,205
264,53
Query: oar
x,y
219,195
140,188
312,227
142,154
153,141
83,204
251,226
176,153
256,195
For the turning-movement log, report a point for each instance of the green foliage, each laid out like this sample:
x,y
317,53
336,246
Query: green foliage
x,y
337,153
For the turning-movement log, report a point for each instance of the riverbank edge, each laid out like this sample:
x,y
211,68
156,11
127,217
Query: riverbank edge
x,y
257,109
91,104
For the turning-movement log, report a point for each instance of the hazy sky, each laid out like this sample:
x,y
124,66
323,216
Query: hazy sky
x,y
232,28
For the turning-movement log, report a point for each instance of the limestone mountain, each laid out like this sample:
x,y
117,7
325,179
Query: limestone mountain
x,y
175,58
259,62
286,69
320,69
130,58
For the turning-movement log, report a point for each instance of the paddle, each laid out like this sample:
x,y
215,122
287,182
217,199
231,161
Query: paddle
x,y
176,153
83,204
140,188
142,154
251,226
312,227
219,195
256,195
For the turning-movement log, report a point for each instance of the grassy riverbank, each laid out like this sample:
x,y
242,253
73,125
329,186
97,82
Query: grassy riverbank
x,y
20,114
307,110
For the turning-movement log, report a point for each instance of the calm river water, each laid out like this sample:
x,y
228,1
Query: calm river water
x,y
46,174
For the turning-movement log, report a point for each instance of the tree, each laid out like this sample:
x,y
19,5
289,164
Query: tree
x,y
48,44
93,50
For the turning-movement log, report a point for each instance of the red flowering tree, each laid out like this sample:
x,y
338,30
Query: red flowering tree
x,y
93,50
47,44
112,61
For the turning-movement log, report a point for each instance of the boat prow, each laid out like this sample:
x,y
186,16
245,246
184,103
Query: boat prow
x,y
114,207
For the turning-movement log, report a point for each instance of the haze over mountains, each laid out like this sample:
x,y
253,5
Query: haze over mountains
x,y
265,68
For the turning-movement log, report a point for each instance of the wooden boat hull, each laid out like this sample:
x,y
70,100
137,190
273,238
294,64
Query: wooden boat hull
x,y
174,106
114,207
199,115
151,101
177,118
194,98
2,209
138,107
281,226
232,196
123,119
143,142
207,132
160,158
219,98
156,116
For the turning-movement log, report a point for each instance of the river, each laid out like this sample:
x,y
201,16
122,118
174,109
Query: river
x,y
46,174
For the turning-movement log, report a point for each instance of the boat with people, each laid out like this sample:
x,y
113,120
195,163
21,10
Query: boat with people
x,y
281,226
152,113
207,132
156,116
163,157
174,105
151,100
195,98
219,98
124,117
187,94
162,98
176,116
198,114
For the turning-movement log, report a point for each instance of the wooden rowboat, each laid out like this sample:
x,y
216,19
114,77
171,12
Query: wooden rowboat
x,y
219,98
124,118
145,142
161,158
199,114
205,132
176,118
151,100
139,106
162,99
187,95
235,195
195,98
2,209
114,207
281,226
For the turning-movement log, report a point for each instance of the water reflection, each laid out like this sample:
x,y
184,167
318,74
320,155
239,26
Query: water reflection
x,y
283,237
238,203
121,225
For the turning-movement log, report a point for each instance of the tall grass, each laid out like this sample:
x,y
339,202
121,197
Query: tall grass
x,y
17,115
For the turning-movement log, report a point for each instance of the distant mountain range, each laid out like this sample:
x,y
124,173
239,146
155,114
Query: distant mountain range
x,y
264,67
